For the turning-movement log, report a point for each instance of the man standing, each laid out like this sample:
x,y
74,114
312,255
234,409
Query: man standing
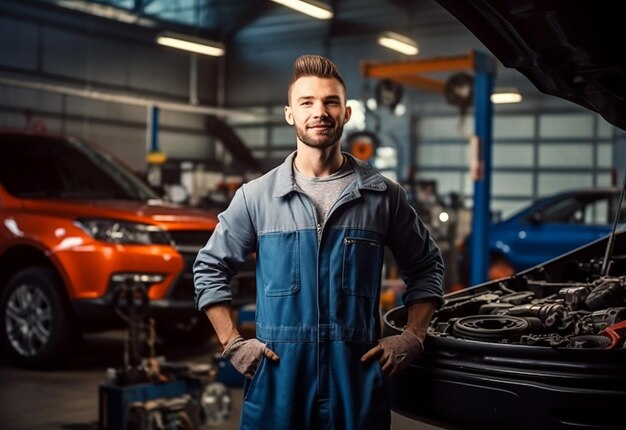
x,y
319,224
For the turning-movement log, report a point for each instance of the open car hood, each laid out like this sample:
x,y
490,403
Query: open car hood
x,y
543,348
573,50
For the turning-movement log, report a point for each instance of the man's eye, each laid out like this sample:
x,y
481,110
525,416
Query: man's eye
x,y
306,104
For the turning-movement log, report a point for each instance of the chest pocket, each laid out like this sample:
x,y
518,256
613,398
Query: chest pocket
x,y
279,263
362,265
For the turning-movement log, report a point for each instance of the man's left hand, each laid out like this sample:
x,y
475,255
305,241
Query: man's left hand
x,y
394,353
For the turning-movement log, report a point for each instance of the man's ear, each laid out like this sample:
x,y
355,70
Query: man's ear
x,y
346,118
288,115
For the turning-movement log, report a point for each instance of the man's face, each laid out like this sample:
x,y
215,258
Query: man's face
x,y
317,110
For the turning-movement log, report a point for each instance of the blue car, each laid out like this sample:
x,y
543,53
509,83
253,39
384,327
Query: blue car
x,y
547,228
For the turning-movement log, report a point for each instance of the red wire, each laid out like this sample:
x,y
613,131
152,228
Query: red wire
x,y
612,333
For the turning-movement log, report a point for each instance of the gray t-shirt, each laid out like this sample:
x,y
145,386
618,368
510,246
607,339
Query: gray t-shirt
x,y
325,191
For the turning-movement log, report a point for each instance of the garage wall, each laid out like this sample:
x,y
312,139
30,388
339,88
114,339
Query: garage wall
x,y
42,45
259,66
535,153
530,138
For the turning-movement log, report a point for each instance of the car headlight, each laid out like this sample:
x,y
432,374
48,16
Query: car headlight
x,y
124,232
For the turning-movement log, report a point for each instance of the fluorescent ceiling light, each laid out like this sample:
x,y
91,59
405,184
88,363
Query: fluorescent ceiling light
x,y
398,43
192,44
506,96
309,7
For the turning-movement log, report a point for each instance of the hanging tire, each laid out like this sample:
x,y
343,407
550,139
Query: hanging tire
x,y
35,320
186,331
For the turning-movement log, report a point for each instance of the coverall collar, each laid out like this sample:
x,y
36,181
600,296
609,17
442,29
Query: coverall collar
x,y
367,178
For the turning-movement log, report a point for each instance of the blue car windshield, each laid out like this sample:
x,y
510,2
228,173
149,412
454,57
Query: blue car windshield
x,y
593,208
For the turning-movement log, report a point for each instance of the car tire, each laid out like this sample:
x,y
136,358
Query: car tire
x,y
188,331
35,319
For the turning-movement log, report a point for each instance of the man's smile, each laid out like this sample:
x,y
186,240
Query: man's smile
x,y
322,126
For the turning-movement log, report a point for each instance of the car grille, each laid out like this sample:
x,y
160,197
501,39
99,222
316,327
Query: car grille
x,y
190,240
188,243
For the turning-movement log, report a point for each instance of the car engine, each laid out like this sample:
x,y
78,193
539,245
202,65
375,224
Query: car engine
x,y
566,303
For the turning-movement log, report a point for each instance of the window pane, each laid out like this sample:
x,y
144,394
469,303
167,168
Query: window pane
x,y
605,130
512,184
280,153
443,155
446,181
445,128
259,154
177,145
522,126
605,155
282,136
468,184
277,110
566,125
566,155
513,155
124,4
182,11
253,137
552,182
603,179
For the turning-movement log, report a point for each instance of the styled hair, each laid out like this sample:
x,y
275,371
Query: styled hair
x,y
314,65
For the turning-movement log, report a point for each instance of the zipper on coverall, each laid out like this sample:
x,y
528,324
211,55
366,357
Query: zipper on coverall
x,y
320,232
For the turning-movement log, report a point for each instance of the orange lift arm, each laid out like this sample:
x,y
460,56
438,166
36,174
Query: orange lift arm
x,y
410,72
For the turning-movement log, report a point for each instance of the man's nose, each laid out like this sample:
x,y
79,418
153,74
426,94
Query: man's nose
x,y
319,110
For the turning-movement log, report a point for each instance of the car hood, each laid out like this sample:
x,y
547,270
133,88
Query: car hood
x,y
166,215
566,49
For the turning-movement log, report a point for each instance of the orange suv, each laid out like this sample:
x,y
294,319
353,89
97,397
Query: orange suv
x,y
74,225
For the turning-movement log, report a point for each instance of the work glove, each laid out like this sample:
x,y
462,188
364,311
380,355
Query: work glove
x,y
246,355
394,353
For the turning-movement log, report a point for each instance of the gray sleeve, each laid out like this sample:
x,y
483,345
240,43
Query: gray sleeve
x,y
220,259
415,252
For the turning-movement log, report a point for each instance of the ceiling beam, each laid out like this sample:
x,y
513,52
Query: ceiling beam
x,y
255,9
411,72
137,100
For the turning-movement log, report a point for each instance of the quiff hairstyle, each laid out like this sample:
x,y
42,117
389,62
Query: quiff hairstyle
x,y
314,65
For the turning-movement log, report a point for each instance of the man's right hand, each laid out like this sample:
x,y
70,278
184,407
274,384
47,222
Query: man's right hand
x,y
246,355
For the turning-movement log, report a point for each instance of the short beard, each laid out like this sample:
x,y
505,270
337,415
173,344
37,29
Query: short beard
x,y
323,142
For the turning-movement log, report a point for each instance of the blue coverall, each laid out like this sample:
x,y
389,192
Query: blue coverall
x,y
318,293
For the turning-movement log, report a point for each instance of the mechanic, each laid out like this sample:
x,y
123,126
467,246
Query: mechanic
x,y
319,223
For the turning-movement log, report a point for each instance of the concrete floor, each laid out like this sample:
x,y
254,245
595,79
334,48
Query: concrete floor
x,y
68,398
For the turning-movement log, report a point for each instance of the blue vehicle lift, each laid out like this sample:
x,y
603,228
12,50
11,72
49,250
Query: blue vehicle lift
x,y
483,67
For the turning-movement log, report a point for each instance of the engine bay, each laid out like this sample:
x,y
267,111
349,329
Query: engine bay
x,y
565,303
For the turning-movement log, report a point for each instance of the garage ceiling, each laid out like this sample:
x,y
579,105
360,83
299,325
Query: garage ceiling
x,y
226,19
259,33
